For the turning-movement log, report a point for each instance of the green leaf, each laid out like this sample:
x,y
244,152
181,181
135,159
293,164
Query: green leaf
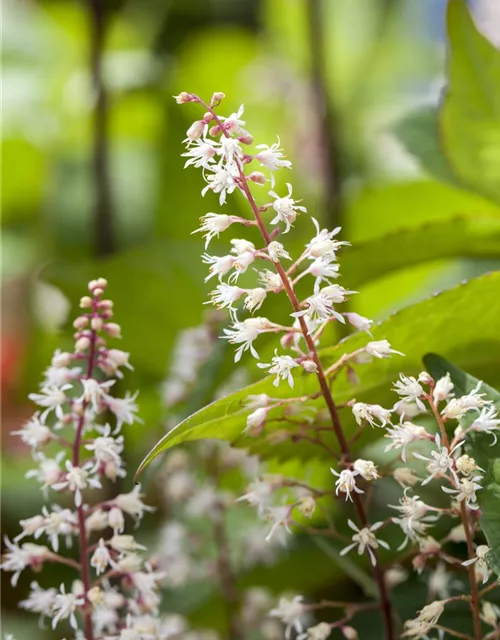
x,y
460,236
470,114
480,447
418,132
461,322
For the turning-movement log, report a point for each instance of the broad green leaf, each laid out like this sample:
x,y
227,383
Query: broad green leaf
x,y
459,236
470,114
419,134
482,449
461,322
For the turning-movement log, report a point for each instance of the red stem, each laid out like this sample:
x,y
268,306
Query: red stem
x,y
82,534
325,389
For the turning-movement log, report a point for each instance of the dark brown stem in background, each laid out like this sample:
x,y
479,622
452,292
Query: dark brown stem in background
x,y
474,591
103,207
328,127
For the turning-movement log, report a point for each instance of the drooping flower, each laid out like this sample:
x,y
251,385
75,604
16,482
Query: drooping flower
x,y
286,209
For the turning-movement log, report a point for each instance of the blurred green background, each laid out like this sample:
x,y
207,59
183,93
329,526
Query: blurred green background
x,y
93,185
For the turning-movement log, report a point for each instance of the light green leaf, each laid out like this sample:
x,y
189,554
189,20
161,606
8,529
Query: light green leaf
x,y
461,322
419,134
481,448
470,114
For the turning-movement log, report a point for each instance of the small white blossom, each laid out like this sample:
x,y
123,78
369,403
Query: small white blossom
x,y
279,516
225,295
52,398
402,435
258,495
415,518
323,270
410,390
370,412
319,307
77,479
244,333
360,323
39,601
323,244
100,558
233,123
59,522
466,490
222,180
487,422
229,149
467,465
49,470
256,420
282,366
125,543
201,153
442,390
440,462
286,209
380,349
290,612
346,482
65,605
426,620
320,631
364,539
95,392
271,157
276,251
124,409
34,433
18,558
270,280
458,407
480,559
366,469
219,265
255,299
132,503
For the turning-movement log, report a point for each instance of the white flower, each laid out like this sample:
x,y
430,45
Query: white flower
x,y
369,412
410,390
225,295
458,407
132,503
49,470
466,490
414,520
200,154
52,398
220,265
279,516
320,631
95,392
97,521
270,280
360,323
480,559
290,612
255,299
380,349
366,469
33,526
77,479
426,620
125,543
233,123
212,224
467,465
116,520
442,390
319,307
17,558
440,462
405,476
229,149
365,540
282,366
487,422
323,243
124,409
346,482
39,600
276,251
271,157
245,333
286,209
59,522
402,435
55,376
107,452
323,270
65,605
258,495
256,420
34,433
223,181
101,557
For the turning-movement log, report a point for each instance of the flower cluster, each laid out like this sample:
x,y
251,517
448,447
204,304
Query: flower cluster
x,y
76,443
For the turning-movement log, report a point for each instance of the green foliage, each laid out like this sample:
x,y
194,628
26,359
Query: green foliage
x,y
460,323
459,143
480,446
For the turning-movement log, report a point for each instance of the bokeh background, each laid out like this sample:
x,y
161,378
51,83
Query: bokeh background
x,y
93,185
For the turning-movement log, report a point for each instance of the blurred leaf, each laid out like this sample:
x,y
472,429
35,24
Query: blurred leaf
x,y
460,322
461,236
419,134
470,115
480,447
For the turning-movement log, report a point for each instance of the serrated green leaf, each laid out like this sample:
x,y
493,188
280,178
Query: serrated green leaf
x,y
470,113
481,448
461,322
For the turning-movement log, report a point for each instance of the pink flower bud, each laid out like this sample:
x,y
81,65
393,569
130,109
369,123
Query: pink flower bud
x,y
246,138
195,131
309,366
96,323
85,302
286,340
214,131
183,97
207,117
98,292
112,329
81,322
82,344
217,97
257,177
